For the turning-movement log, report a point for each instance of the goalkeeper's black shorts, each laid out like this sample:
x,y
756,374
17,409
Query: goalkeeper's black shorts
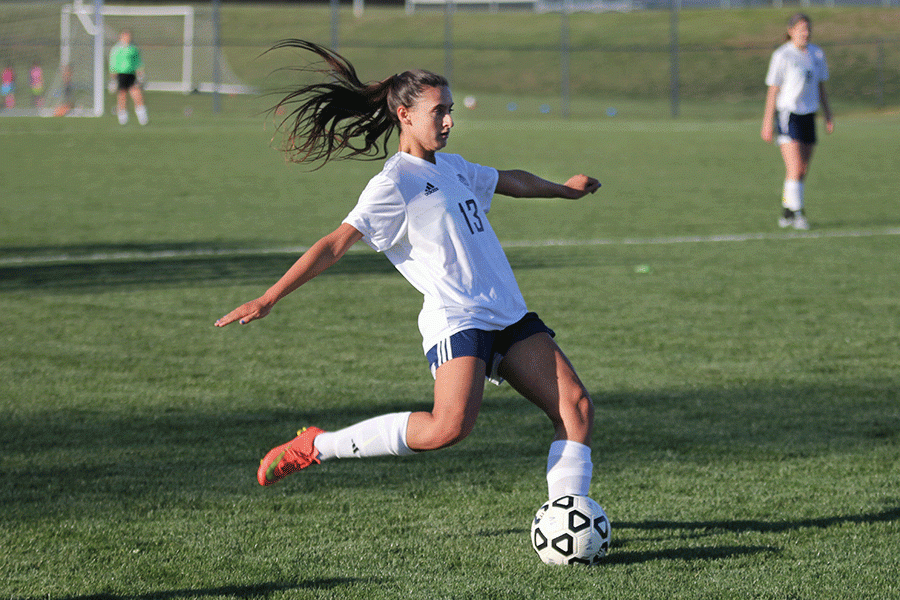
x,y
126,81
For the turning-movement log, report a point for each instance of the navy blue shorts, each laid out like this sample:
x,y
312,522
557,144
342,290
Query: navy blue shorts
x,y
489,346
800,128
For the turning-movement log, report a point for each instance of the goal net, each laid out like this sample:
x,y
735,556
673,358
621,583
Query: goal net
x,y
177,45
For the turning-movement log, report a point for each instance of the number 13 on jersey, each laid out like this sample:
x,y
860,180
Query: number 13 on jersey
x,y
470,214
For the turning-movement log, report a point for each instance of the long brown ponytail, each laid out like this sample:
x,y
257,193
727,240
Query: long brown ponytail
x,y
343,117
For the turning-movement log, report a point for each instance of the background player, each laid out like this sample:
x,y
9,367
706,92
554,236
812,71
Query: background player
x,y
796,76
127,69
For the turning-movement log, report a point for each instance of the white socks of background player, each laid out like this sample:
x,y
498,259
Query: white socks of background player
x,y
792,197
569,469
141,112
379,436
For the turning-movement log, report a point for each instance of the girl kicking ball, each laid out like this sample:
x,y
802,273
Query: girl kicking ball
x,y
427,212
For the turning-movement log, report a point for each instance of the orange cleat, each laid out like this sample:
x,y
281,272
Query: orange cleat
x,y
290,457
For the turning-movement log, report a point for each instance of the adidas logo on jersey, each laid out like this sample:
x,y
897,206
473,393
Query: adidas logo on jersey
x,y
430,189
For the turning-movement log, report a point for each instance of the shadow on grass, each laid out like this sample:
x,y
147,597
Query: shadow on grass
x,y
65,459
85,274
91,267
230,591
686,554
743,526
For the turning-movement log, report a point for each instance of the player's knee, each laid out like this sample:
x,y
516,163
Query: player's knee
x,y
451,432
451,437
446,432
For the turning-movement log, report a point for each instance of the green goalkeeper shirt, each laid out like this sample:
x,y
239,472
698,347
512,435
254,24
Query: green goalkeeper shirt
x,y
124,59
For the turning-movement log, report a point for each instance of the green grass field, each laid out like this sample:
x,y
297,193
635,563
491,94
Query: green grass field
x,y
745,378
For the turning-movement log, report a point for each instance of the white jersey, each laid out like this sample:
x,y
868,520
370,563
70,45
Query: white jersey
x,y
797,73
430,220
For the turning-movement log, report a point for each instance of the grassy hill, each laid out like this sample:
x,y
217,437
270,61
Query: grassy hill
x,y
616,58
723,53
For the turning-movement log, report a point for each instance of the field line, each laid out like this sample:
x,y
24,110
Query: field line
x,y
127,255
708,239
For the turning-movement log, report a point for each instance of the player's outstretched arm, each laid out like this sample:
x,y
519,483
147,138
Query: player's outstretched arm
x,y
522,184
322,255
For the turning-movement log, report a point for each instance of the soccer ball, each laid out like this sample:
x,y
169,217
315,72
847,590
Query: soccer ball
x,y
571,530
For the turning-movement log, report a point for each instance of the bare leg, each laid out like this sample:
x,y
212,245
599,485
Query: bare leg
x,y
537,368
797,157
137,95
458,391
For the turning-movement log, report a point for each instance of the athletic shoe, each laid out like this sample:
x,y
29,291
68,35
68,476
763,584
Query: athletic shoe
x,y
287,458
800,223
786,219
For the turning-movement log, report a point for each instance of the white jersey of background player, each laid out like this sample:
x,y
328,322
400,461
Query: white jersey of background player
x,y
797,74
427,212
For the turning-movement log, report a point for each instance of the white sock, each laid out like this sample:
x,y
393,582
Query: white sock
x,y
141,112
793,195
123,117
569,469
379,436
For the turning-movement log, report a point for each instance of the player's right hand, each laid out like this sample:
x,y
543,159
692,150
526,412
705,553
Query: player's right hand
x,y
249,311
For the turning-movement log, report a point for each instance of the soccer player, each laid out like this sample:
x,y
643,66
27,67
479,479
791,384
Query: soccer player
x,y
427,211
126,69
796,80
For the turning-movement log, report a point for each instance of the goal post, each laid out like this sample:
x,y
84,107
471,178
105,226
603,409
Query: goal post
x,y
176,46
78,20
186,13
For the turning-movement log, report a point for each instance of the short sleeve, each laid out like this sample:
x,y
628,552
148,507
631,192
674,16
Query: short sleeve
x,y
481,180
380,214
823,65
775,75
484,183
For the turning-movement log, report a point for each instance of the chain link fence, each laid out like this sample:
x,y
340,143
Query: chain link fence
x,y
665,67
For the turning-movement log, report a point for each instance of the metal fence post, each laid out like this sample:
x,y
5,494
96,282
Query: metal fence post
x,y
565,52
880,70
335,18
448,40
673,57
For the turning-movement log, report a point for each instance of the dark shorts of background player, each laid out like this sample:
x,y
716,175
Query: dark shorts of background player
x,y
489,346
126,81
798,127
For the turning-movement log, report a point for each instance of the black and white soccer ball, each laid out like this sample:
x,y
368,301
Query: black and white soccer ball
x,y
571,530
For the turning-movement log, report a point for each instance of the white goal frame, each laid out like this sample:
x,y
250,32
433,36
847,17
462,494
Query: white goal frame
x,y
85,14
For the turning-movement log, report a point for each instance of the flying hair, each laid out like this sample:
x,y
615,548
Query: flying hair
x,y
343,118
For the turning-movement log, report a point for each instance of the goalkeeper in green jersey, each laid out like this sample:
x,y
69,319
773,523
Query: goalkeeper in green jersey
x,y
126,68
